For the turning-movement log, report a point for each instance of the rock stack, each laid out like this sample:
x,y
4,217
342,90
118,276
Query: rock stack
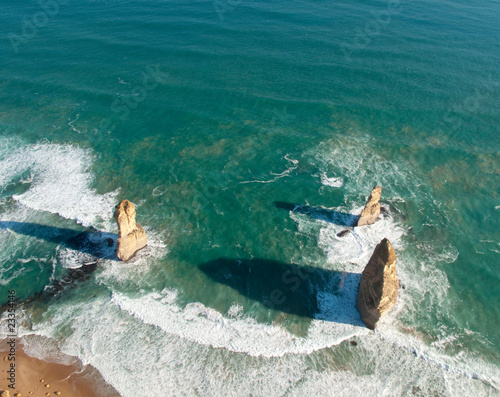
x,y
131,237
372,208
378,288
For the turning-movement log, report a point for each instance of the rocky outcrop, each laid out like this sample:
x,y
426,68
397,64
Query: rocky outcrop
x,y
372,208
131,237
378,288
343,233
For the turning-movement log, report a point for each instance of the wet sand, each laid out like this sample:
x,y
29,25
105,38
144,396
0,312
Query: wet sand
x,y
39,378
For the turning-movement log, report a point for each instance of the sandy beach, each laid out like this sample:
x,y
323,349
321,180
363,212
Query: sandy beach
x,y
40,378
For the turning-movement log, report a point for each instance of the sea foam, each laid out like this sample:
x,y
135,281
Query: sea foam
x,y
204,325
101,329
60,181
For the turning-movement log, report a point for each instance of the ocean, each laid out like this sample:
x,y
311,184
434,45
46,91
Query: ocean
x,y
249,134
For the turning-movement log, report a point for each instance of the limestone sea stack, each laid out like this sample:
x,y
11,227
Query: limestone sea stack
x,y
378,288
372,208
131,237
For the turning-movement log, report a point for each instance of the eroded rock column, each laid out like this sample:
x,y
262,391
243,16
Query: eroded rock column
x,y
132,236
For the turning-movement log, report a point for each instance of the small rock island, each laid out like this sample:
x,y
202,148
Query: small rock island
x,y
132,236
370,213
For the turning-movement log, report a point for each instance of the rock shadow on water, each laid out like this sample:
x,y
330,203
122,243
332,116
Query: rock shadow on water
x,y
323,214
304,291
92,241
93,244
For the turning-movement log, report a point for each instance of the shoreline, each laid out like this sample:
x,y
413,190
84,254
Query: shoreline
x,y
36,377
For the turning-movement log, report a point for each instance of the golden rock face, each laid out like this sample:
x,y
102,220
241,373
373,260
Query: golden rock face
x,y
132,236
378,288
372,208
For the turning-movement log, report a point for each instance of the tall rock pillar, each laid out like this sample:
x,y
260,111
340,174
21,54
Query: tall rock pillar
x,y
132,236
372,208
378,288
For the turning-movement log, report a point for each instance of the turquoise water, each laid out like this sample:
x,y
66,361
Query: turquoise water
x,y
216,119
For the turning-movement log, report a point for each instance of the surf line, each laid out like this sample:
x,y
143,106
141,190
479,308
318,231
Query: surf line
x,y
11,338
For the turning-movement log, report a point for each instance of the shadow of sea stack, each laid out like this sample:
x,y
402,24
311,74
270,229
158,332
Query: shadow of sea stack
x,y
322,214
132,236
290,288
